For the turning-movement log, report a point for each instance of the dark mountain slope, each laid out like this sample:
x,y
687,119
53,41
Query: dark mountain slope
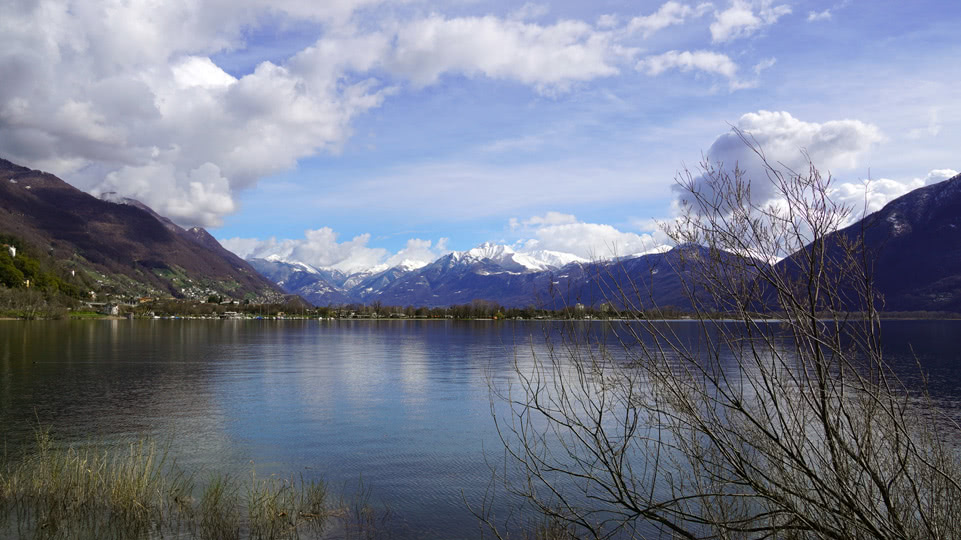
x,y
132,247
913,247
916,242
654,281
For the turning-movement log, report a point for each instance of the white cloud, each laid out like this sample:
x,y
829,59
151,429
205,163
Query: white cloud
x,y
669,14
832,144
866,197
826,14
767,63
547,220
872,195
784,140
546,57
743,18
124,96
706,61
418,252
320,248
939,175
555,231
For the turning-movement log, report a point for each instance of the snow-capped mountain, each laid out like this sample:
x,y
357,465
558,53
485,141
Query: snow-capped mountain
x,y
495,273
507,259
320,287
490,270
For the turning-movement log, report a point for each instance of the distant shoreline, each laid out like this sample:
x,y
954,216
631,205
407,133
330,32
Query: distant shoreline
x,y
436,319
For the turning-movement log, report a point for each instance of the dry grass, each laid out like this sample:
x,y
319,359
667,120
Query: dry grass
x,y
73,492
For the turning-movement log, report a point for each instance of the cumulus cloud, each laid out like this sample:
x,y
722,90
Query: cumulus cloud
x,y
127,96
418,252
870,196
784,140
706,61
544,56
939,175
743,18
669,14
124,96
555,231
321,248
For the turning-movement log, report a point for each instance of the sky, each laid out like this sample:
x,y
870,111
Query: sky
x,y
357,133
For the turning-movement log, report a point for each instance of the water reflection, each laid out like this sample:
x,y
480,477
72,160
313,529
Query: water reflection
x,y
403,403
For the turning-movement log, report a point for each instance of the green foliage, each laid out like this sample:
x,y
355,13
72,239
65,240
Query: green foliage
x,y
10,275
42,273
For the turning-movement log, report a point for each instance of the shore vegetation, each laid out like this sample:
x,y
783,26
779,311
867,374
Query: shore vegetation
x,y
136,490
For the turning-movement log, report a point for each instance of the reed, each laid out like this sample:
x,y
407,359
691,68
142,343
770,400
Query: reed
x,y
52,492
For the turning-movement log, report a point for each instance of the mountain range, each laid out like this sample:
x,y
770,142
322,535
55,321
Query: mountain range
x,y
913,242
497,273
121,244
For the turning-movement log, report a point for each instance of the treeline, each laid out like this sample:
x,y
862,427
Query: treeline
x,y
295,307
483,309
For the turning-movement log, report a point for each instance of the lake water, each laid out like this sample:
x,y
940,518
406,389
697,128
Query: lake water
x,y
404,405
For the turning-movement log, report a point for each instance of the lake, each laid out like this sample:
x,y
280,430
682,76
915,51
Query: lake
x,y
402,406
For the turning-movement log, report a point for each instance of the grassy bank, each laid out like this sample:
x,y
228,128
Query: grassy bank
x,y
138,491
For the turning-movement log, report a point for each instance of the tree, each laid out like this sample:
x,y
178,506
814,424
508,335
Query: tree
x,y
745,429
10,275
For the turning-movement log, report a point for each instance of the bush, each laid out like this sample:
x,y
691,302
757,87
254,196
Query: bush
x,y
744,428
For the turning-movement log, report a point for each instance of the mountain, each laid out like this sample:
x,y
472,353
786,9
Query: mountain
x,y
492,272
487,272
915,244
122,244
661,279
313,285
498,274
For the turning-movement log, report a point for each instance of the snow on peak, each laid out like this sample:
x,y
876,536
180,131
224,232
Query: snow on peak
x,y
410,264
299,265
554,259
489,251
515,261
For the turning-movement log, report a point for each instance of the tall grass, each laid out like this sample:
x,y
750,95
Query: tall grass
x,y
52,492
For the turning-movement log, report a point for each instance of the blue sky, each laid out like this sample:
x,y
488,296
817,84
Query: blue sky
x,y
361,132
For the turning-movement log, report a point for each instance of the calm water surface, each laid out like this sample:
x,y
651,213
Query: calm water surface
x,y
402,404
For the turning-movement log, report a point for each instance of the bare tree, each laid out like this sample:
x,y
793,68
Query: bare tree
x,y
781,420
